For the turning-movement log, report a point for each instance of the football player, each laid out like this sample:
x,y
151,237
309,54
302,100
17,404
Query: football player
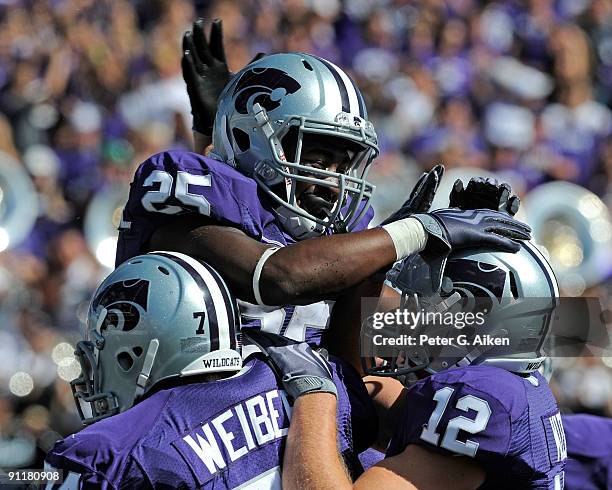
x,y
285,181
589,452
164,392
474,418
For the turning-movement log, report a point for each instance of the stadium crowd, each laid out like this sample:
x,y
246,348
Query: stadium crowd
x,y
88,89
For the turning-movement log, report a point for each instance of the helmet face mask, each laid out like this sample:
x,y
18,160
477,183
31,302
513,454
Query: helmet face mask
x,y
349,187
157,317
269,107
92,403
514,294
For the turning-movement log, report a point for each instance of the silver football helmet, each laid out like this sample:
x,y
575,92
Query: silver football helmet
x,y
158,316
262,118
515,295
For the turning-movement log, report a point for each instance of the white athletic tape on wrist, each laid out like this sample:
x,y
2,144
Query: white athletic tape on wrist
x,y
256,275
408,235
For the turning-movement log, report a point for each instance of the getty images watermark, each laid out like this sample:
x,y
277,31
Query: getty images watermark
x,y
569,327
391,324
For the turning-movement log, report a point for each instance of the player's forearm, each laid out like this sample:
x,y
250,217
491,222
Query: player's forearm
x,y
311,460
301,273
318,268
389,398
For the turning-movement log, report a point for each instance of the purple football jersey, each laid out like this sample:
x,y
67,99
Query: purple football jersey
x,y
370,457
176,183
589,452
221,434
509,424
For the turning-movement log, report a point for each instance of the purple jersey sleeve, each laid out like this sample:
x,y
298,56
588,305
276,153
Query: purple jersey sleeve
x,y
77,460
509,424
370,457
101,455
175,183
589,452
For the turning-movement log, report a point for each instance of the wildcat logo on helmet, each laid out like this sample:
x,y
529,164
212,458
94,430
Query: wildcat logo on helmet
x,y
124,302
265,86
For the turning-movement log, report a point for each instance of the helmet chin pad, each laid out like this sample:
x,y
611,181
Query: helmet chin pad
x,y
315,204
299,227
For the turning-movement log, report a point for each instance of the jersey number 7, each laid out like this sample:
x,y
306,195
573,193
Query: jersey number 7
x,y
465,403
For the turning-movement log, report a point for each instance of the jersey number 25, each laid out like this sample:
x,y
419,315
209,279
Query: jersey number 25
x,y
154,200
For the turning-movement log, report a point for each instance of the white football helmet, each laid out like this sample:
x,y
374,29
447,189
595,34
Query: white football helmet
x,y
262,118
515,293
156,317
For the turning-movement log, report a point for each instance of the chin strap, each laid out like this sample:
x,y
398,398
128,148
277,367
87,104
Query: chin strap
x,y
261,116
299,227
227,146
143,377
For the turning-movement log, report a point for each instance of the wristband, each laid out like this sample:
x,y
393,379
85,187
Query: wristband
x,y
408,235
304,384
257,274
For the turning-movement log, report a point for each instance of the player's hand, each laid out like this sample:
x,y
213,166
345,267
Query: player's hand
x,y
301,369
205,72
453,229
484,193
421,196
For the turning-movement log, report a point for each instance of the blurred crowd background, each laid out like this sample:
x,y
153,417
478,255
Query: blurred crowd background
x,y
88,89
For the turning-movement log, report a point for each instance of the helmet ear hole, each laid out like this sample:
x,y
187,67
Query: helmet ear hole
x,y
289,143
125,361
242,139
513,287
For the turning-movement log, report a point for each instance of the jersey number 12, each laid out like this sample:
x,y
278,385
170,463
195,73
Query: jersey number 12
x,y
465,403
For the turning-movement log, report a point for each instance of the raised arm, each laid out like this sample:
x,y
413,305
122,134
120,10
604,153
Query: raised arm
x,y
318,268
206,73
301,273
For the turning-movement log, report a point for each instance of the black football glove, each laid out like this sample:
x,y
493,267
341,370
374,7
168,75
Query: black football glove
x,y
205,72
301,369
453,229
484,193
421,197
